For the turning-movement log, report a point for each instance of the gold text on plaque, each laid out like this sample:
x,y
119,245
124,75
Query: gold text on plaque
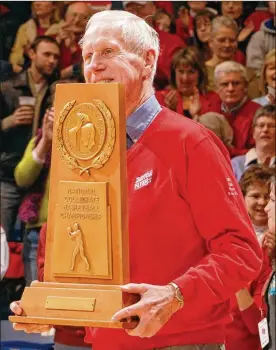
x,y
86,135
76,235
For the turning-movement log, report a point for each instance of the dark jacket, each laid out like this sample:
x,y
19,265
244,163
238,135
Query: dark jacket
x,y
15,139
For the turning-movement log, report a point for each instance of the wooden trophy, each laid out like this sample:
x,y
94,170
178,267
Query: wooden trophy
x,y
87,230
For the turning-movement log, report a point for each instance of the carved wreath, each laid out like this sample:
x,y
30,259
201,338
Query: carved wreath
x,y
103,157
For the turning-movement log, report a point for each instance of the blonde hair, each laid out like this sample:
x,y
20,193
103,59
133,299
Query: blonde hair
x,y
223,21
270,58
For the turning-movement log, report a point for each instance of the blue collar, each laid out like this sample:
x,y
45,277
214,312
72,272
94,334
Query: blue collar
x,y
138,121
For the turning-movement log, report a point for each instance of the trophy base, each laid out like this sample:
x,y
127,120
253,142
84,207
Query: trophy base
x,y
68,304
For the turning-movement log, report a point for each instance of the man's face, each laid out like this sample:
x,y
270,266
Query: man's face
x,y
107,59
77,16
224,43
203,28
264,132
272,8
231,88
270,75
45,58
232,9
256,199
197,5
42,8
141,10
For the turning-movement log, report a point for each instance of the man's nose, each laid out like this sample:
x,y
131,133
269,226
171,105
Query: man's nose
x,y
230,87
96,64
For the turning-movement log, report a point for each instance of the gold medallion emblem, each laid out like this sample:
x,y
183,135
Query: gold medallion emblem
x,y
86,135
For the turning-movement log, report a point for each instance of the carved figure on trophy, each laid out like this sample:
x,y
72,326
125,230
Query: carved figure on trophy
x,y
82,136
76,235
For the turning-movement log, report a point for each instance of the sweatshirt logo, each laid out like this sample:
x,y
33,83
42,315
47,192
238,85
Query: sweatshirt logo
x,y
231,189
143,180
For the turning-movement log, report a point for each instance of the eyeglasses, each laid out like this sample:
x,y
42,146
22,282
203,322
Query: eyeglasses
x,y
234,83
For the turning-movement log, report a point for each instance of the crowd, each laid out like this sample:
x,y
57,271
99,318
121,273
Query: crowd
x,y
217,67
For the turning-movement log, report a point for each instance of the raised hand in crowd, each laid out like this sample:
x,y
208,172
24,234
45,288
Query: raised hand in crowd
x,y
171,100
22,116
269,243
47,127
183,14
246,31
195,105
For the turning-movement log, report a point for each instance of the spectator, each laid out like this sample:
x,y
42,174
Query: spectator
x,y
169,43
4,253
219,125
268,79
188,94
249,307
264,136
70,33
164,21
256,18
271,291
262,42
202,33
66,338
185,22
232,87
206,245
31,174
224,44
19,122
43,22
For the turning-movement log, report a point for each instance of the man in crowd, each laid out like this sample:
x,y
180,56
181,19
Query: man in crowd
x,y
24,101
224,46
263,41
232,87
264,136
191,242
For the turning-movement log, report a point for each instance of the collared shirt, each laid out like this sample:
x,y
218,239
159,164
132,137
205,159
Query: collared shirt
x,y
227,110
138,121
252,158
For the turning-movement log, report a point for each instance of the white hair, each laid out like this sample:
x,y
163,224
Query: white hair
x,y
137,35
230,67
223,21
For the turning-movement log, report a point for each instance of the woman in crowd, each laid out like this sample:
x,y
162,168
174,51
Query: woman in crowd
x,y
202,32
32,173
44,21
268,80
188,94
249,307
164,21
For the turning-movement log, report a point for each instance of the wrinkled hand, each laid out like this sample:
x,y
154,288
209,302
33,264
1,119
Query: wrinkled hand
x,y
155,308
23,115
183,14
48,124
171,100
195,105
269,243
28,328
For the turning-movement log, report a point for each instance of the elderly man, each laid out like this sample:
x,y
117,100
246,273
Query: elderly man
x,y
20,119
224,47
232,87
191,241
264,136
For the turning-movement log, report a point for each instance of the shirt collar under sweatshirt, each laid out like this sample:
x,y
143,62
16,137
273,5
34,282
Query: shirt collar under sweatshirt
x,y
138,121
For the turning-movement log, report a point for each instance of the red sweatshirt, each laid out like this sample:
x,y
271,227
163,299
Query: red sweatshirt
x,y
241,123
187,223
243,332
73,336
208,101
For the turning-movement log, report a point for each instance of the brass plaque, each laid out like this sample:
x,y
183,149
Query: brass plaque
x,y
70,303
82,230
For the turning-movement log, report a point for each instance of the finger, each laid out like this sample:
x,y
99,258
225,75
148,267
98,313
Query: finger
x,y
135,288
141,329
132,310
15,308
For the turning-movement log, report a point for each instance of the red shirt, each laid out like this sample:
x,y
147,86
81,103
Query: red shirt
x,y
67,58
241,123
208,101
257,18
243,332
187,223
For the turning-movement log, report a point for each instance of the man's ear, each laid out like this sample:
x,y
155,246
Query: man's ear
x,y
31,54
149,60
